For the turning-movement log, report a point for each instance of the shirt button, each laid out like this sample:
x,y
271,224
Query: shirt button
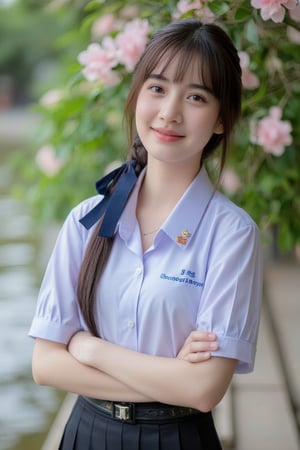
x,y
138,271
131,324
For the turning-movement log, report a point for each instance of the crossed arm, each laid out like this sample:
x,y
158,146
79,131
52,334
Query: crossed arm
x,y
93,367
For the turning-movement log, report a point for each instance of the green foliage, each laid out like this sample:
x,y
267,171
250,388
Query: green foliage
x,y
85,125
30,34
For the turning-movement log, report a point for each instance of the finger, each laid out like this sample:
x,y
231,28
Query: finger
x,y
197,357
195,347
199,335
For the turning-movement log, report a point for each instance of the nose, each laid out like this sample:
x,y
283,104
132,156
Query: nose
x,y
171,109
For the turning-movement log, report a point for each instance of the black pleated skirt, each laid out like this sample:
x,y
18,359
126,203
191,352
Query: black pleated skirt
x,y
88,428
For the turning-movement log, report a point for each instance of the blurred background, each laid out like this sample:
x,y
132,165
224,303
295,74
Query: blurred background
x,y
48,119
30,56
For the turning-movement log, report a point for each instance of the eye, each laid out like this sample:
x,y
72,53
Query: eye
x,y
197,98
156,89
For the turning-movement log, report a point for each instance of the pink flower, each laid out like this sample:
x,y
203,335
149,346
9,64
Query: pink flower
x,y
230,181
47,160
273,9
184,6
207,15
132,42
293,35
295,13
105,25
52,97
99,62
129,12
272,133
249,79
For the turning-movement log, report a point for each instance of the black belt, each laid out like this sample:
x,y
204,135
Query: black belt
x,y
130,412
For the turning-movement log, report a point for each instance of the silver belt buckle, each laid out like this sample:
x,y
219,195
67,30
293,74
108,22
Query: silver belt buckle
x,y
125,413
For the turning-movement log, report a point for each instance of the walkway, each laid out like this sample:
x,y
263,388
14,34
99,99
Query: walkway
x,y
265,405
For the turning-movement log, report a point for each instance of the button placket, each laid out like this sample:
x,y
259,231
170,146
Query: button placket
x,y
130,305
131,324
138,271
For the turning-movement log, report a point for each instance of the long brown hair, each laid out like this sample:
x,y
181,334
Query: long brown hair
x,y
219,68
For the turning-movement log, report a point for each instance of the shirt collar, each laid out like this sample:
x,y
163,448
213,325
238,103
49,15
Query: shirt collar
x,y
185,217
187,214
127,220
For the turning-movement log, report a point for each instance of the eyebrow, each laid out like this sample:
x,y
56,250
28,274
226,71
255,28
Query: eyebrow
x,y
161,77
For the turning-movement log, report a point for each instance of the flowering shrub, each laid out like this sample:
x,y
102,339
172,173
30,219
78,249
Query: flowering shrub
x,y
82,133
47,160
131,42
100,60
272,133
273,9
230,181
249,79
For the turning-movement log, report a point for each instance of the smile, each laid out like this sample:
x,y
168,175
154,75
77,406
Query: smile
x,y
166,135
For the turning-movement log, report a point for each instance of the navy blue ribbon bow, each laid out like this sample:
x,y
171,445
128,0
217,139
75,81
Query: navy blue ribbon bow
x,y
114,202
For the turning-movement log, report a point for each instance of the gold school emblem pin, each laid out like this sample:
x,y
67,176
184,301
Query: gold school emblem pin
x,y
183,237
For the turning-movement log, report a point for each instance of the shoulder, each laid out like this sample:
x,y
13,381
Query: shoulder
x,y
220,212
81,209
72,227
85,206
225,212
229,228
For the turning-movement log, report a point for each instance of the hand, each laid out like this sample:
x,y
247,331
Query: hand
x,y
198,346
82,346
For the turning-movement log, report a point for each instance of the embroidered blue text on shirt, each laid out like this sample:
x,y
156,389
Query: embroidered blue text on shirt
x,y
188,273
185,279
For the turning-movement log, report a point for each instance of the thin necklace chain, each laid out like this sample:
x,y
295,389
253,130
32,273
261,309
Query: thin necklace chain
x,y
150,232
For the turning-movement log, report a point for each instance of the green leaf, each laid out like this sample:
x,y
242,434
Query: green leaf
x,y
94,5
219,8
251,32
285,237
242,13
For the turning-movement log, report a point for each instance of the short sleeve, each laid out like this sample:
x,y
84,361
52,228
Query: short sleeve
x,y
231,301
57,316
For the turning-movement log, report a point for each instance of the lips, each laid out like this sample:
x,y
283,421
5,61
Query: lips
x,y
167,135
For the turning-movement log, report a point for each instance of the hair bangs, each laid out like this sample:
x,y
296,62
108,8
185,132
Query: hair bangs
x,y
186,56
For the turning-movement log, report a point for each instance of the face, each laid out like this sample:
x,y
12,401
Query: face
x,y
175,120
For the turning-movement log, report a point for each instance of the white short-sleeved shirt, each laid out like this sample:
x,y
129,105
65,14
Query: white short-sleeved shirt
x,y
204,271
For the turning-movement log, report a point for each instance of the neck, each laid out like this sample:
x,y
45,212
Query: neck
x,y
162,187
165,183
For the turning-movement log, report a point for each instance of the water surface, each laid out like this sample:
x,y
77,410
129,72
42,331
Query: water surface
x,y
26,410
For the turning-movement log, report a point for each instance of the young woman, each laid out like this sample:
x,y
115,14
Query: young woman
x,y
137,273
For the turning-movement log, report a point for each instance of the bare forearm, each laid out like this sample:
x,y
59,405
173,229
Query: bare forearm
x,y
54,366
169,380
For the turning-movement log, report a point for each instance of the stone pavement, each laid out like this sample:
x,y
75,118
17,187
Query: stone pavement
x,y
264,407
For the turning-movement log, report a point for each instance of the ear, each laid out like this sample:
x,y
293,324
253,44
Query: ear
x,y
219,128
